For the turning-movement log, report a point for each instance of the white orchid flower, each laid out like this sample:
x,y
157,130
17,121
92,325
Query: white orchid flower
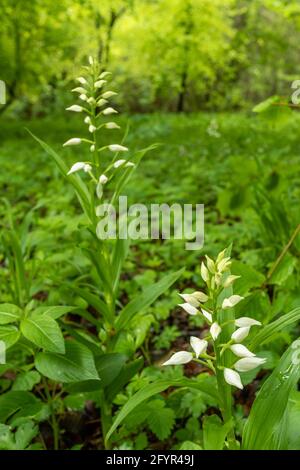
x,y
108,94
215,330
117,148
119,163
103,179
207,315
80,166
108,111
230,280
200,296
92,128
112,125
100,83
75,108
231,301
129,164
181,357
189,308
223,264
80,90
246,321
198,345
87,120
241,351
240,334
74,141
83,97
101,102
210,264
190,299
92,148
249,363
81,80
233,378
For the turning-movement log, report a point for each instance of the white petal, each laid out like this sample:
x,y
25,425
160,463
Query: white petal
x,y
240,334
233,378
231,301
215,330
76,167
198,345
207,315
112,125
103,179
119,163
117,148
92,148
129,164
224,264
246,321
230,280
75,108
189,308
87,120
108,111
92,128
190,299
249,363
100,83
101,102
75,141
181,357
83,97
241,351
79,90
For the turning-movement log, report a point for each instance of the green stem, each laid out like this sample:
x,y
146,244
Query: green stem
x,y
106,419
54,423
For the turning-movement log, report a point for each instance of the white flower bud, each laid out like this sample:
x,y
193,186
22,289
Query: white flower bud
x,y
224,264
103,179
240,334
249,363
231,301
117,148
80,90
87,168
99,190
91,100
119,163
230,280
108,94
210,264
83,97
75,108
233,378
74,141
91,60
87,120
101,102
100,83
190,299
220,256
189,308
204,272
215,330
104,74
181,357
241,351
129,164
207,315
92,148
76,167
112,125
198,345
92,128
108,111
81,80
246,321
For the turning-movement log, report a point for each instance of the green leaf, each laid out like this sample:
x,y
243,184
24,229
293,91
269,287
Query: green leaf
x,y
9,313
284,270
189,445
249,277
268,410
160,419
109,366
14,401
152,389
76,365
9,334
54,312
128,371
26,380
44,332
149,295
268,332
214,432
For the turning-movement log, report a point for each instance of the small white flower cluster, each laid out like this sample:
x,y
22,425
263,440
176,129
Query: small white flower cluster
x,y
215,275
91,92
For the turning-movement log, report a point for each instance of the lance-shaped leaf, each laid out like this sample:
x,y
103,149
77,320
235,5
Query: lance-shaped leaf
x,y
44,332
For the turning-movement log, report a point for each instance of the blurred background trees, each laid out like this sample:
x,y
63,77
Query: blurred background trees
x,y
173,55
